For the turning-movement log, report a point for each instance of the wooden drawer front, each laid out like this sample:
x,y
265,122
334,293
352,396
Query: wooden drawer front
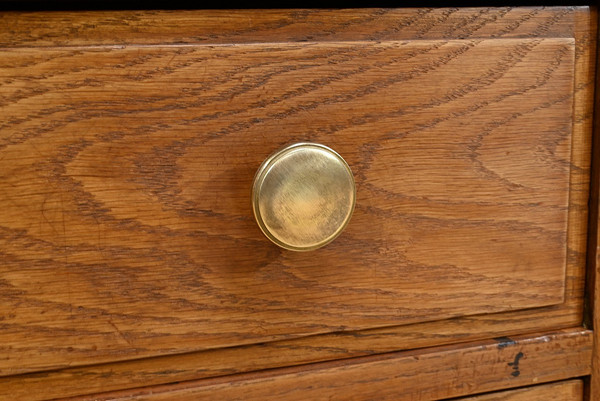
x,y
563,391
125,220
430,374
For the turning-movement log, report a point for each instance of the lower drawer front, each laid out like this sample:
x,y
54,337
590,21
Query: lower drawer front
x,y
430,374
563,391
571,390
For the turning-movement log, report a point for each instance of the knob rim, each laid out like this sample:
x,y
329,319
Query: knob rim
x,y
278,160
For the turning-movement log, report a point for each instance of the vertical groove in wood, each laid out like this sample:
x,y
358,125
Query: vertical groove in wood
x,y
592,302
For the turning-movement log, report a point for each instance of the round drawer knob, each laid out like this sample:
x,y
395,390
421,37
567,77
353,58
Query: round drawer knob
x,y
303,196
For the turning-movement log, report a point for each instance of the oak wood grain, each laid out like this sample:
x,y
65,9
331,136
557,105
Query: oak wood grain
x,y
413,375
571,390
126,178
80,28
220,362
573,23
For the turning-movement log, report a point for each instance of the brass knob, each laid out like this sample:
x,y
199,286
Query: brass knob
x,y
303,196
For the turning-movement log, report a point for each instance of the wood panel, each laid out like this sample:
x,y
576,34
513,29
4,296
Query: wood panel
x,y
415,375
160,370
126,175
562,391
249,26
577,22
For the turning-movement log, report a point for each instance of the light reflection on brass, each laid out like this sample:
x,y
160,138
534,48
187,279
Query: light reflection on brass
x,y
303,196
